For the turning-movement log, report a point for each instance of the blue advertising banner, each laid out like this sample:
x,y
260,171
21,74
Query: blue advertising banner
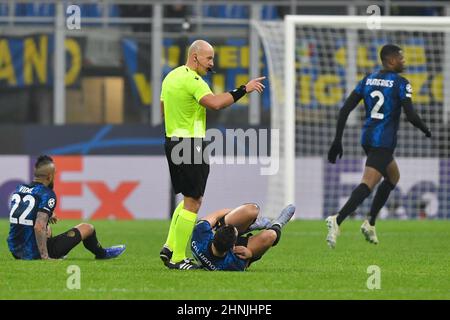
x,y
231,63
28,61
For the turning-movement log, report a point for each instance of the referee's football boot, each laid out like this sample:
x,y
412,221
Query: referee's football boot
x,y
186,264
333,231
165,254
369,232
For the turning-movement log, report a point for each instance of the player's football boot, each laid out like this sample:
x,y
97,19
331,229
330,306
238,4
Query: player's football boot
x,y
113,252
165,254
186,264
285,215
369,232
260,224
333,231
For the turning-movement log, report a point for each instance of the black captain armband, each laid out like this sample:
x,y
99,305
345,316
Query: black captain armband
x,y
238,93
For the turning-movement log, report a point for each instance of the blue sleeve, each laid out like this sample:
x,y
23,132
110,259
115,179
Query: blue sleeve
x,y
47,203
405,89
201,229
359,89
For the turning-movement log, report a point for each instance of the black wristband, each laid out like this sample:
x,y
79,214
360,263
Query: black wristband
x,y
238,93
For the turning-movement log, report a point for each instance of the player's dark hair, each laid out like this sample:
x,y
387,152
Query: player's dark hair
x,y
42,160
225,238
388,50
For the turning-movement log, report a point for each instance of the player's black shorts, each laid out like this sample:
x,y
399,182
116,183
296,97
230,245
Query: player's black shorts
x,y
60,245
188,172
243,240
378,158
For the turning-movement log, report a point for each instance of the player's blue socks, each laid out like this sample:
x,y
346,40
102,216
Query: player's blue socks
x,y
360,193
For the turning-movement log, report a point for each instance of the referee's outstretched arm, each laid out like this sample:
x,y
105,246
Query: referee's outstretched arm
x,y
226,99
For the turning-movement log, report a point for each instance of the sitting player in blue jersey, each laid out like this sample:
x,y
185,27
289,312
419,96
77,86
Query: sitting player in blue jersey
x,y
32,208
221,241
384,93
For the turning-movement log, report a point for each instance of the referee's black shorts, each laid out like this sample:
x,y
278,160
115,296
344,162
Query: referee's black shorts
x,y
188,165
378,158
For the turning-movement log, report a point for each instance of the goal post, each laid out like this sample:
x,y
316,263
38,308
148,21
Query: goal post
x,y
314,62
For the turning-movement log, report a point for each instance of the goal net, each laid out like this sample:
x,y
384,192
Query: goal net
x,y
314,63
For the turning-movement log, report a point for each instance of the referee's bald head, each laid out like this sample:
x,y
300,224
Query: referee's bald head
x,y
200,57
198,46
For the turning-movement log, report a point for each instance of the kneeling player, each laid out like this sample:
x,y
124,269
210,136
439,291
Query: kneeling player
x,y
32,208
218,241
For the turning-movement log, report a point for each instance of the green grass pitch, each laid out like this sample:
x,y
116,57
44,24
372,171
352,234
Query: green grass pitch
x,y
413,257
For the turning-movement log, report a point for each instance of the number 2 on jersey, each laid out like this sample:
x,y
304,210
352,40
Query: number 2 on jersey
x,y
374,114
22,218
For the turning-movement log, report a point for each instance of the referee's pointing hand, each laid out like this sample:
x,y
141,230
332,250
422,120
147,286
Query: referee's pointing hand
x,y
255,84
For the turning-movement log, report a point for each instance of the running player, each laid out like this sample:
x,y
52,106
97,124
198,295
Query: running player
x,y
385,93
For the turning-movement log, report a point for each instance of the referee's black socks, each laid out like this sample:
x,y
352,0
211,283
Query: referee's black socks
x,y
360,193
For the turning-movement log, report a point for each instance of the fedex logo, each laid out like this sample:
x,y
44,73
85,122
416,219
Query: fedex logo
x,y
112,200
97,187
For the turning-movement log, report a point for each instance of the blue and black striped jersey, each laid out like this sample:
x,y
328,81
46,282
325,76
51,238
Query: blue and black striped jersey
x,y
26,201
202,238
383,92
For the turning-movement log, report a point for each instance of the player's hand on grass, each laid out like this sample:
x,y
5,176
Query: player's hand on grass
x,y
242,252
47,258
255,84
335,151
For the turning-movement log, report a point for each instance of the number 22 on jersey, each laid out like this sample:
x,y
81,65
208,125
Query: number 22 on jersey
x,y
19,217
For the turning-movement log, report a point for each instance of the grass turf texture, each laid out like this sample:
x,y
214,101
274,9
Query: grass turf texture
x,y
413,257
